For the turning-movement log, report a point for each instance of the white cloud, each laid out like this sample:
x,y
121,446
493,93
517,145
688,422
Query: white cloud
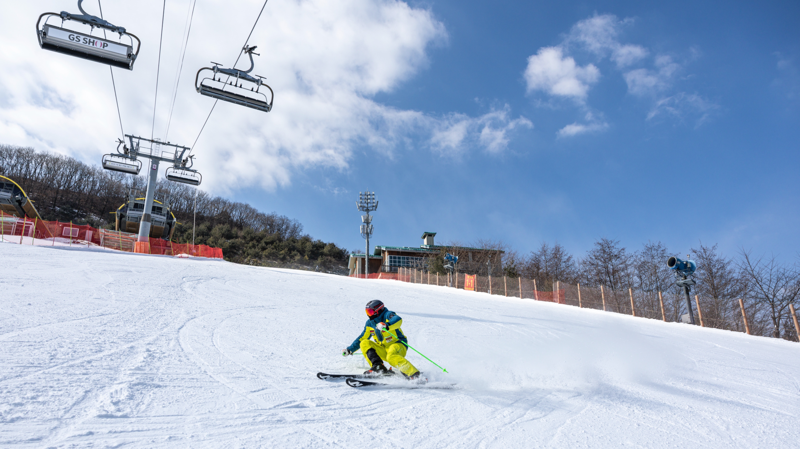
x,y
550,71
490,131
593,124
554,71
325,60
651,82
684,106
600,35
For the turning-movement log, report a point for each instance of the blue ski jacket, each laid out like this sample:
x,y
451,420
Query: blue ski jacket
x,y
392,320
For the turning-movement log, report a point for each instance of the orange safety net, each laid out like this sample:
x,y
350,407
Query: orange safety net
x,y
52,232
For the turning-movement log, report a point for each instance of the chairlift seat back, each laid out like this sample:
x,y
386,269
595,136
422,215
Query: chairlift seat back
x,y
235,98
190,177
121,164
92,48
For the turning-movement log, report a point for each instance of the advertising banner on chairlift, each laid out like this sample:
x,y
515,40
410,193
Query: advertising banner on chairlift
x,y
77,39
469,282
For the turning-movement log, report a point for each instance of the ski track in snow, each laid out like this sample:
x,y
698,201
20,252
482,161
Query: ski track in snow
x,y
100,349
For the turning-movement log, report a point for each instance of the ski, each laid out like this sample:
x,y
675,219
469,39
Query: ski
x,y
411,385
326,376
357,383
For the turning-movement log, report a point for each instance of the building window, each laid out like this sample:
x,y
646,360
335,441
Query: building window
x,y
406,261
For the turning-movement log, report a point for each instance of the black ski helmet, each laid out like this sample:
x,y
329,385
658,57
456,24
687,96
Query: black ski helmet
x,y
374,308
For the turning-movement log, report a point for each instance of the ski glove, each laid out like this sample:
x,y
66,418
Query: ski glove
x,y
382,327
346,352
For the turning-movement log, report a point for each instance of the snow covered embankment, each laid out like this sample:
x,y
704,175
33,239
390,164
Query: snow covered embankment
x,y
105,349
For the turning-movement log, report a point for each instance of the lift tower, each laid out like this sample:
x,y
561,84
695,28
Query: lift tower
x,y
126,161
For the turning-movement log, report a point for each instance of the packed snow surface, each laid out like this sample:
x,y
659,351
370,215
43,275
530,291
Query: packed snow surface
x,y
102,349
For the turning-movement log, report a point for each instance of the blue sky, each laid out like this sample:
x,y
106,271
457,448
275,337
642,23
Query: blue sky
x,y
726,174
525,122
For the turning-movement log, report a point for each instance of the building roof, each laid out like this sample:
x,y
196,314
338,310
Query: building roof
x,y
378,249
372,256
426,233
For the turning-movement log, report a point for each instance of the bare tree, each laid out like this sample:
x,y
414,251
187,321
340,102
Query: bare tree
x,y
772,284
719,286
549,264
608,264
651,276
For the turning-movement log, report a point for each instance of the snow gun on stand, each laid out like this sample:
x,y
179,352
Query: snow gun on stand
x,y
450,265
684,271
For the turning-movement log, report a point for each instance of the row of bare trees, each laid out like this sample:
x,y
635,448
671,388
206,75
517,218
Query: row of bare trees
x,y
766,284
66,189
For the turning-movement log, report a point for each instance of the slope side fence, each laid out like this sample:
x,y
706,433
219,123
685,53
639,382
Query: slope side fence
x,y
670,306
51,233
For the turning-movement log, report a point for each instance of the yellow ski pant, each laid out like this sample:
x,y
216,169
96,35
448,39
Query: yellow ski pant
x,y
395,354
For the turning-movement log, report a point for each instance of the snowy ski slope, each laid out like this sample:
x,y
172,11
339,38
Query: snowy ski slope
x,y
100,349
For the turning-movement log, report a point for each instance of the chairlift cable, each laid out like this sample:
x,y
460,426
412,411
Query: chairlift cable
x,y
113,83
234,65
180,68
158,70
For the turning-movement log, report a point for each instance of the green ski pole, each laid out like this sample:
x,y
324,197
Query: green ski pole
x,y
423,355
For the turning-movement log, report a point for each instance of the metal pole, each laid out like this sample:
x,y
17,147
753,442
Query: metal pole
x,y
144,225
366,256
688,304
194,218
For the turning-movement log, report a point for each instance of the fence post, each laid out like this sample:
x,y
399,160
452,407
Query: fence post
x,y
580,304
603,296
661,301
456,279
490,282
794,317
744,316
70,233
557,292
437,278
429,277
54,237
505,284
535,290
35,223
699,311
2,226
520,287
633,307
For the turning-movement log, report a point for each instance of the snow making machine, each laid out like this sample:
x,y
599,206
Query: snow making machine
x,y
129,215
14,201
82,44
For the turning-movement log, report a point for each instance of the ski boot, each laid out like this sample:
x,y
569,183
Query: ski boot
x,y
378,370
416,378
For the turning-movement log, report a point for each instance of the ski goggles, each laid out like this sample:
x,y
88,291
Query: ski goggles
x,y
372,312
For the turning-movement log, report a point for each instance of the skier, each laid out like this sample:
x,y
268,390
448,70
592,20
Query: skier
x,y
383,326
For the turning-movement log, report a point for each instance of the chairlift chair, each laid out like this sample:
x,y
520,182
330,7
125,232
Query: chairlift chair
x,y
14,201
184,176
129,217
85,46
242,88
123,162
183,173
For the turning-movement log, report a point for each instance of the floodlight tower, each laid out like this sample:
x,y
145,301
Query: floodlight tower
x,y
366,203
